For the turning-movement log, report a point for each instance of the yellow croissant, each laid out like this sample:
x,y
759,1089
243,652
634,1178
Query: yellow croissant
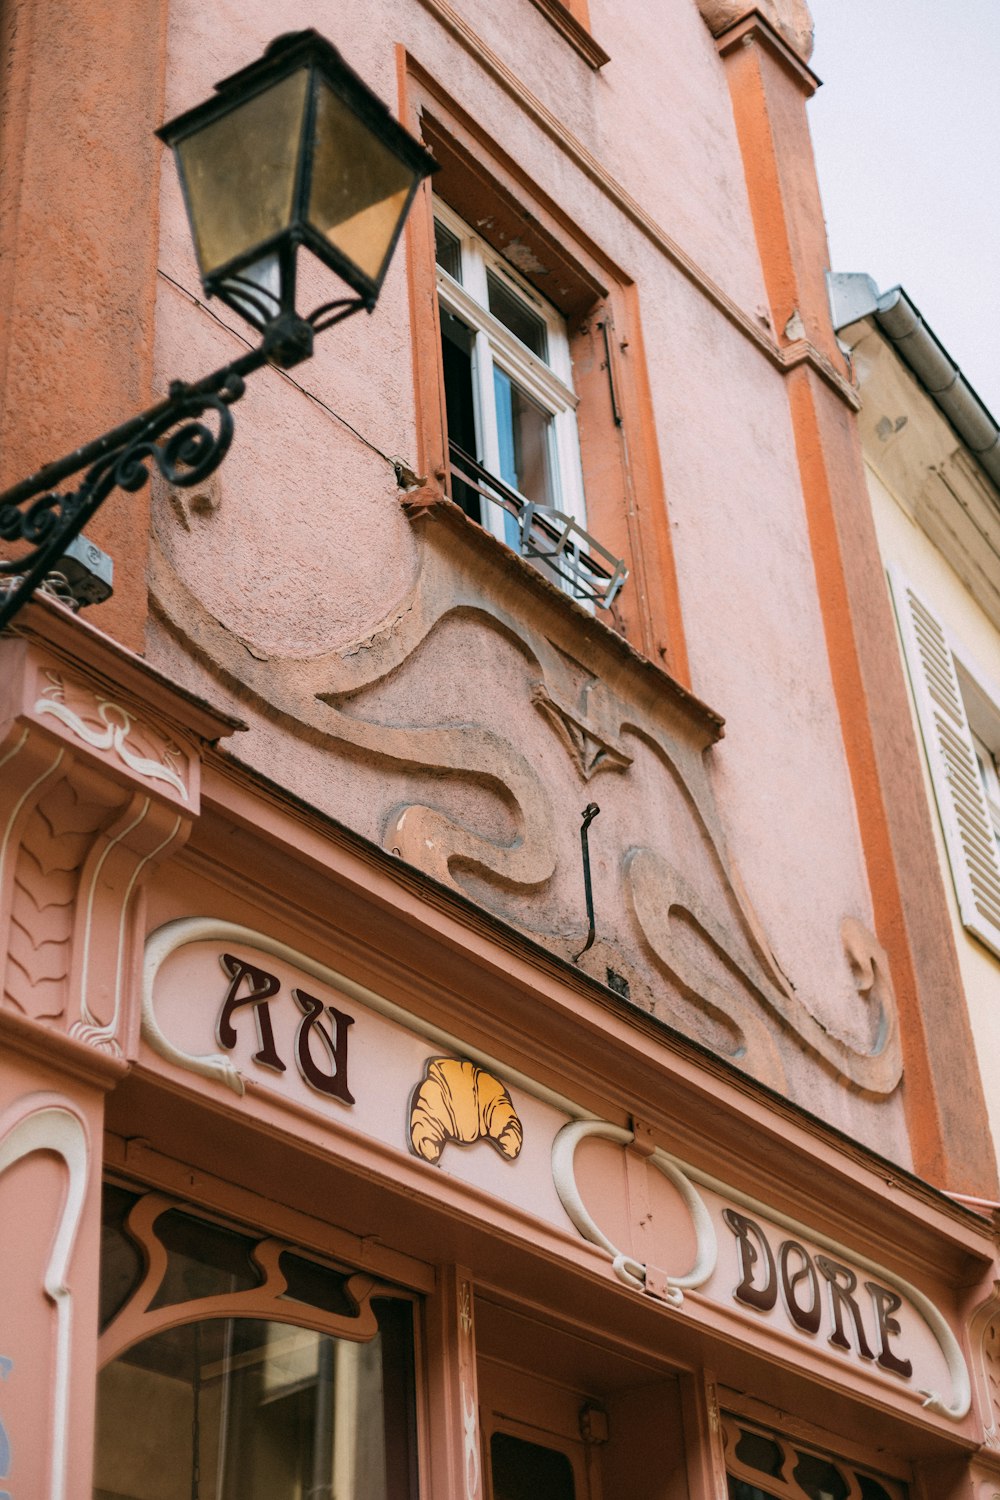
x,y
459,1102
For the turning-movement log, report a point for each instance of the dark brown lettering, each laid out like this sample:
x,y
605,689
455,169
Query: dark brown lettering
x,y
746,1231
807,1318
842,1283
334,1043
261,987
886,1303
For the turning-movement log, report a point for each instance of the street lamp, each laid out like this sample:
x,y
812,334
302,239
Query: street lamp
x,y
294,152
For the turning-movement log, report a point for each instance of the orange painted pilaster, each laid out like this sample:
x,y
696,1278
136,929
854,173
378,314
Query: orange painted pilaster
x,y
945,1110
79,195
769,86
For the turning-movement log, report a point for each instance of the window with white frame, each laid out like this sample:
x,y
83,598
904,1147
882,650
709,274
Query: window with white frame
x,y
959,714
511,412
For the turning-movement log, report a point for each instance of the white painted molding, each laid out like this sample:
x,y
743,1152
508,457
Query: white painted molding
x,y
632,1272
178,934
683,1177
112,737
44,1122
15,810
89,1029
470,1444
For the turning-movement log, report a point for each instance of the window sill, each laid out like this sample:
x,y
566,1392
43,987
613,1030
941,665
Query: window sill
x,y
509,583
576,34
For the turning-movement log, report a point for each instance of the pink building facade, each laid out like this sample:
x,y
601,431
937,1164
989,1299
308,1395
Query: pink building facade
x,y
344,1149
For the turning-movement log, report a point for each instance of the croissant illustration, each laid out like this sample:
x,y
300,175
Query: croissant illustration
x,y
459,1102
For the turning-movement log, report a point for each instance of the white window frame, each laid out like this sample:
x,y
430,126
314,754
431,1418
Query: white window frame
x,y
547,382
957,705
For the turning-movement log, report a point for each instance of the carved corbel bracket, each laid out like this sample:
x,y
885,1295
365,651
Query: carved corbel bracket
x,y
984,1344
98,785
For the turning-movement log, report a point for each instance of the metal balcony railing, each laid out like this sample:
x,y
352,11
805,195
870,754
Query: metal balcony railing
x,y
588,570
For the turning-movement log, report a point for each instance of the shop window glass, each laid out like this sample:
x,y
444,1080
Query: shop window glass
x,y
314,1284
121,1258
203,1260
241,1409
820,1479
298,1385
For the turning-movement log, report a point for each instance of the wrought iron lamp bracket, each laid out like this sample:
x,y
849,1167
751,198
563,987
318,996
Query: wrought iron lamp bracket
x,y
172,436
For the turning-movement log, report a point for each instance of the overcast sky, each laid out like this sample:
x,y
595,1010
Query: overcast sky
x,y
907,135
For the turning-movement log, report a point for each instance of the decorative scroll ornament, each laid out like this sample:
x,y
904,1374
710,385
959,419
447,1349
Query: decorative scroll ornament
x,y
590,750
118,724
984,1340
633,1273
459,1102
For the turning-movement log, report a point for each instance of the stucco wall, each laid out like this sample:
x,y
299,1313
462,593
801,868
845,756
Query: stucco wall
x,y
299,566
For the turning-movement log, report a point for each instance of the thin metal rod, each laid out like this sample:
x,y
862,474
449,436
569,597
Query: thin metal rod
x,y
615,409
589,814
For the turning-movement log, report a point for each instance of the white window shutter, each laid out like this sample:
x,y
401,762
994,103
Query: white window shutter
x,y
972,848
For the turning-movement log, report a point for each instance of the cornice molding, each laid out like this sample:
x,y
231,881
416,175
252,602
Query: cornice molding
x,y
788,20
576,34
754,27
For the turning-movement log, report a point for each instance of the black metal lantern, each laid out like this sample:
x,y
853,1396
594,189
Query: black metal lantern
x,y
294,150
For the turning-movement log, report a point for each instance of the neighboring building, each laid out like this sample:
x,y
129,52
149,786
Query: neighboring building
x,y
932,455
420,1176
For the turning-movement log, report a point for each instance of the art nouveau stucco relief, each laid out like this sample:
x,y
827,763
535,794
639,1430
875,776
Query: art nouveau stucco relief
x,y
492,711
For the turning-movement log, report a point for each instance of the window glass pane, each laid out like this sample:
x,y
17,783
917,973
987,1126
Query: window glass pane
x,y
314,1284
203,1260
460,406
871,1489
121,1260
515,314
447,250
243,1409
740,1490
523,428
759,1452
819,1479
527,1471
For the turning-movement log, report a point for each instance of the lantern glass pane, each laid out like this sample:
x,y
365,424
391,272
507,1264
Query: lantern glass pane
x,y
261,282
359,189
240,172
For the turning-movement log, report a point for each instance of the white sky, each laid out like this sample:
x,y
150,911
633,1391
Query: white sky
x,y
906,130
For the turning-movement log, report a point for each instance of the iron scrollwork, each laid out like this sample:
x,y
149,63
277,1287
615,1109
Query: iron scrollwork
x,y
45,519
172,436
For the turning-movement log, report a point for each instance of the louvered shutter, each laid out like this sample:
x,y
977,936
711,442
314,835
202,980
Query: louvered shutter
x,y
972,847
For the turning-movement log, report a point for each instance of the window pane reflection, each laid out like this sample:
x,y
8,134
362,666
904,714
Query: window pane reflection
x,y
243,1409
523,428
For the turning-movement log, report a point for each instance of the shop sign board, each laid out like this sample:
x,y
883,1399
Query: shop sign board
x,y
247,1013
